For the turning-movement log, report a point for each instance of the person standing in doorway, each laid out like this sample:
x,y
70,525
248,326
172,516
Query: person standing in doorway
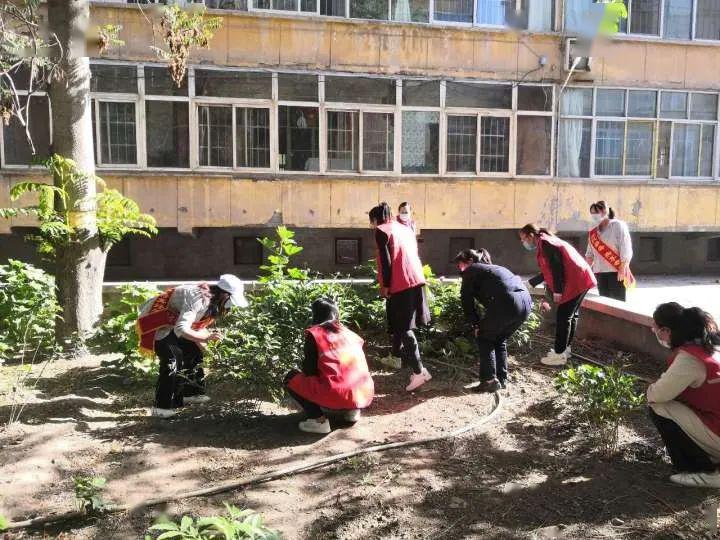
x,y
568,277
609,252
402,284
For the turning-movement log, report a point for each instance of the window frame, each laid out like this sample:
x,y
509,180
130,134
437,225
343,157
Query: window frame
x,y
140,158
15,166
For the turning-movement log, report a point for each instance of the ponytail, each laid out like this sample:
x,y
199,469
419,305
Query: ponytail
x,y
532,229
602,206
381,213
468,256
691,325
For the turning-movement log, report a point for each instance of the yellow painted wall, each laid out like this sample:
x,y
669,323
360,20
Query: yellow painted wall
x,y
187,202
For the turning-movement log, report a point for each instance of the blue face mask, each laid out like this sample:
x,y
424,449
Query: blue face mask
x,y
530,246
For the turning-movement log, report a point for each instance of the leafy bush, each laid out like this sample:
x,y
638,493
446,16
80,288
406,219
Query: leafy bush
x,y
600,396
237,525
117,332
87,493
28,308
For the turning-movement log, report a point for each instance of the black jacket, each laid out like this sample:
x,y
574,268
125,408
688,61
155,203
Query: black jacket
x,y
496,288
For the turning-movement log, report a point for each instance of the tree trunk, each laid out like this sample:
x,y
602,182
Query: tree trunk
x,y
81,264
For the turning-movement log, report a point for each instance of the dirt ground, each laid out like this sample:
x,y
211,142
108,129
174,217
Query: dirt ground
x,y
531,473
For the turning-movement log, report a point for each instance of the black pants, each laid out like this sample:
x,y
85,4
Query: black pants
x,y
405,345
180,371
685,454
312,410
609,286
568,314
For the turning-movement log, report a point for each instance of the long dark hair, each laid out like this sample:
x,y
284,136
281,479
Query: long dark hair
x,y
217,305
324,312
382,213
688,325
471,256
533,229
601,206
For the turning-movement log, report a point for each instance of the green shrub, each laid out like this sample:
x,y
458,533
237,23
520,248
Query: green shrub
x,y
87,494
28,307
600,396
236,525
117,331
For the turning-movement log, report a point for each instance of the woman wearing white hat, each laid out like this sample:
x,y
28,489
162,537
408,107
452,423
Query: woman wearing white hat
x,y
173,325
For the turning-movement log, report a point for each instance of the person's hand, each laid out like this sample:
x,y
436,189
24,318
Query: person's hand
x,y
215,335
545,306
622,272
385,292
589,259
557,297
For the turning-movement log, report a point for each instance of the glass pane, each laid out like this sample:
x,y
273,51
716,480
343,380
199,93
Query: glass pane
x,y
574,148
494,144
609,139
534,141
298,138
707,24
673,105
296,87
280,5
662,163
159,83
482,96
215,136
378,141
610,103
117,133
421,93
686,149
677,19
167,134
116,79
642,103
342,141
17,148
369,9
703,106
253,137
461,143
420,138
459,11
239,5
645,17
577,102
308,6
583,17
706,150
360,90
534,15
410,10
535,98
241,84
332,8
638,147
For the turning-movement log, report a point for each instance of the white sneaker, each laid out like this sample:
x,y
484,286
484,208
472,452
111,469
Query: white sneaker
x,y
162,413
200,398
418,379
555,359
312,425
700,479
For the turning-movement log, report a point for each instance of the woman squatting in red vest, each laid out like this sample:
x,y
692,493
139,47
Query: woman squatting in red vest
x,y
685,400
567,276
402,284
335,380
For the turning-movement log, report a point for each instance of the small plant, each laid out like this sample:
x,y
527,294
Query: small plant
x,y
87,494
182,32
109,37
280,251
236,525
4,523
601,396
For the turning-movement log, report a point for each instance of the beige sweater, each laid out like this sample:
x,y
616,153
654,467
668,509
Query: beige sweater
x,y
685,371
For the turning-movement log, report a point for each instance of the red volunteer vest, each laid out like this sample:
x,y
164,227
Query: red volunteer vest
x,y
405,266
705,399
579,277
343,380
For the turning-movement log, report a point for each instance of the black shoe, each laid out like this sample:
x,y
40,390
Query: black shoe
x,y
503,384
488,387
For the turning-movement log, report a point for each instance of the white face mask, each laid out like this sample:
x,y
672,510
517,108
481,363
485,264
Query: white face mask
x,y
406,215
597,218
660,341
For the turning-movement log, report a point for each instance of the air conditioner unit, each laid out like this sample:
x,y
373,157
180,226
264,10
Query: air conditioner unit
x,y
577,55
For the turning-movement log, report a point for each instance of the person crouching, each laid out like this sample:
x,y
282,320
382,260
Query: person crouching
x,y
174,326
335,380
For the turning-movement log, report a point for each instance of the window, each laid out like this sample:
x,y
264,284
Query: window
x,y
116,79
420,137
494,144
610,103
118,144
642,103
240,5
297,87
650,249
378,141
609,148
298,138
16,147
369,9
534,142
119,255
347,251
167,133
343,140
673,104
239,84
287,5
332,8
574,139
247,250
410,10
645,17
678,19
708,20
639,145
252,134
215,137
159,83
461,143
713,249
459,244
692,149
535,15
535,98
703,106
456,11
360,90
421,93
481,96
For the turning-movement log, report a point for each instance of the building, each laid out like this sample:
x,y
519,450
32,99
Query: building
x,y
308,112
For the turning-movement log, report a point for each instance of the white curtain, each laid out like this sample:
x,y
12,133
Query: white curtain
x,y
571,131
582,17
491,12
401,11
678,18
539,15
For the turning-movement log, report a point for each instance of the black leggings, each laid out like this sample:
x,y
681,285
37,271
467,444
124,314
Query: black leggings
x,y
180,372
608,285
405,345
685,454
568,314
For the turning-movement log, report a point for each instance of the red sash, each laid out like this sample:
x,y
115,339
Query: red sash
x,y
159,316
611,256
